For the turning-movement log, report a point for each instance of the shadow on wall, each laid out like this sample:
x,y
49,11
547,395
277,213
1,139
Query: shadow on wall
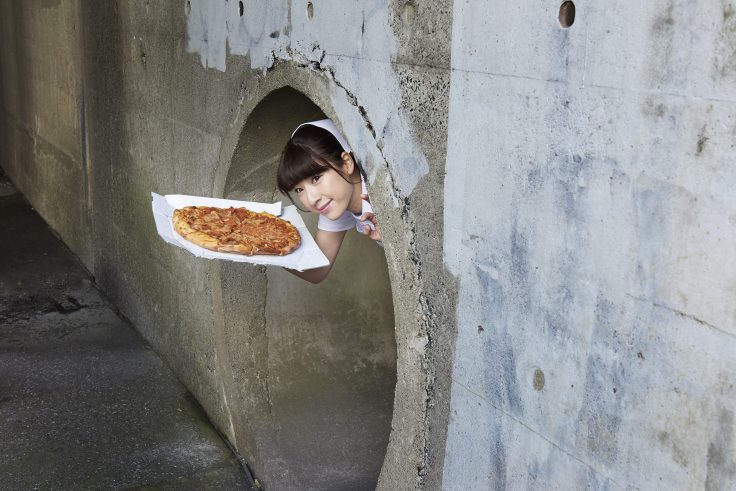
x,y
327,355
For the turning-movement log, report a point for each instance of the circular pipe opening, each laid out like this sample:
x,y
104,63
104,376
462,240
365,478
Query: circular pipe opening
x,y
327,355
567,14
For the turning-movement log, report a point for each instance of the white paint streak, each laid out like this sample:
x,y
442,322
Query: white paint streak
x,y
213,27
354,42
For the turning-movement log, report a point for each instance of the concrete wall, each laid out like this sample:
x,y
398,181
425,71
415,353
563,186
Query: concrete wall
x,y
596,315
557,206
43,141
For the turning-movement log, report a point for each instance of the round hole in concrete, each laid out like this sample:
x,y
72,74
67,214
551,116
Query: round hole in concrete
x,y
323,356
241,8
567,14
310,10
538,381
188,7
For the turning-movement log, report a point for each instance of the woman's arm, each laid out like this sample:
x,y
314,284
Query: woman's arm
x,y
329,243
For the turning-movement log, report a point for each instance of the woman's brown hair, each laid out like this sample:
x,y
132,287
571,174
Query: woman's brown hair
x,y
310,151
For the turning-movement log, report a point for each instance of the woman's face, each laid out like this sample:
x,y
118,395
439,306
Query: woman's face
x,y
327,193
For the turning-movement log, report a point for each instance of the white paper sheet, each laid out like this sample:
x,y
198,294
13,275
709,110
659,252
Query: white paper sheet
x,y
307,256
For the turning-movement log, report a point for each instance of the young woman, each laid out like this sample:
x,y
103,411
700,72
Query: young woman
x,y
318,166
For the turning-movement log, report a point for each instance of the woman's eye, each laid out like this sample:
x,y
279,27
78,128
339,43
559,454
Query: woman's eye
x,y
297,190
316,178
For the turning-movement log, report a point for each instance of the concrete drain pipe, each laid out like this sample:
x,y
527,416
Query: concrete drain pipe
x,y
309,372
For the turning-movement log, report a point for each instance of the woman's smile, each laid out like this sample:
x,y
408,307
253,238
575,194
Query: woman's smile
x,y
323,208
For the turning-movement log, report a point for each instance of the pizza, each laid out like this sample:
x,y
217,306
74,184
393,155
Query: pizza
x,y
236,230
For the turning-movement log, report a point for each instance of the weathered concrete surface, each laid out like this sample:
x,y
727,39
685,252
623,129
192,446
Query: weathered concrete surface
x,y
595,254
84,402
557,209
156,120
43,114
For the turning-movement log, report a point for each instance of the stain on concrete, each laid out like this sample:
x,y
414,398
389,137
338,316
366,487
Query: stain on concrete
x,y
654,107
663,45
721,466
664,22
534,180
702,140
571,175
142,54
556,316
724,61
679,453
651,228
498,457
601,411
520,266
502,383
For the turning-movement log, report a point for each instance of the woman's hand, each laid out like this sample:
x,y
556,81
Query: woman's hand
x,y
369,231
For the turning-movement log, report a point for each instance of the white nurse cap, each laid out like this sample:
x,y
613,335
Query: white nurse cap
x,y
328,125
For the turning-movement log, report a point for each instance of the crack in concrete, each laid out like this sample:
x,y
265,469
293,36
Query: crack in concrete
x,y
540,435
303,62
681,313
428,327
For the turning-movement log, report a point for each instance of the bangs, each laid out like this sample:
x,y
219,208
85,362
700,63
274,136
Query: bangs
x,y
297,163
